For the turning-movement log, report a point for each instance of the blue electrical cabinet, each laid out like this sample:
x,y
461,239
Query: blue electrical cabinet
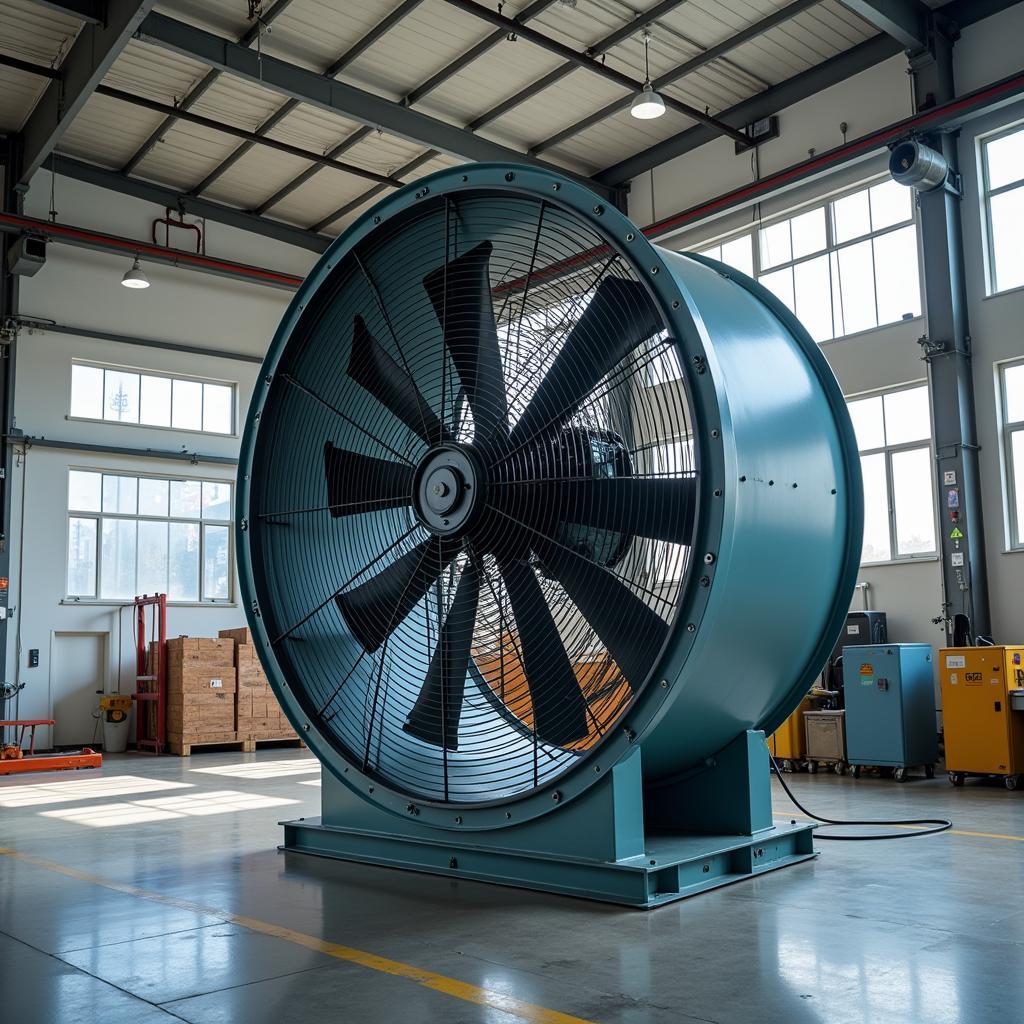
x,y
889,695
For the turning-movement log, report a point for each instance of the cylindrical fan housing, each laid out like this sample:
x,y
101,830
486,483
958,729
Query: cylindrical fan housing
x,y
630,484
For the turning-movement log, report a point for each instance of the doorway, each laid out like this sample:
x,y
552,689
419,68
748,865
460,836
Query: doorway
x,y
78,668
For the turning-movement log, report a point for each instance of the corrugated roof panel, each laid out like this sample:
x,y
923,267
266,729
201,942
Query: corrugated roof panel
x,y
19,93
616,138
237,102
336,227
313,128
107,131
583,25
574,97
187,154
315,33
799,43
225,17
37,35
255,176
499,74
316,198
422,43
154,72
384,154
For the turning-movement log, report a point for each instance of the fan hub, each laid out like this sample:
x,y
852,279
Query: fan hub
x,y
446,489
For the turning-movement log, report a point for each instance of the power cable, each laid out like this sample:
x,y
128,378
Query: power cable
x,y
936,825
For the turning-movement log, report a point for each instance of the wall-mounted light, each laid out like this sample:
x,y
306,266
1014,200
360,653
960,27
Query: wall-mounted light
x,y
647,104
135,278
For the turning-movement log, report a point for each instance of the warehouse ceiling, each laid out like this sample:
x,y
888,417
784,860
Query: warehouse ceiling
x,y
261,129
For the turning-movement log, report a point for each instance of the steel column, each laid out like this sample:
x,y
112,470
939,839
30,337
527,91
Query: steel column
x,y
10,201
947,350
903,20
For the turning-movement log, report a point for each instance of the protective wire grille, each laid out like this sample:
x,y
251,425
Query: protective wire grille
x,y
473,493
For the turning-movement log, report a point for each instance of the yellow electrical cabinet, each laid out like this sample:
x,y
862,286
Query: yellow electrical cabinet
x,y
983,734
787,743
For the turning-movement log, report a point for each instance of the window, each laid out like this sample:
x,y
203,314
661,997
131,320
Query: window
x,y
894,437
844,267
131,535
1012,388
1002,159
151,400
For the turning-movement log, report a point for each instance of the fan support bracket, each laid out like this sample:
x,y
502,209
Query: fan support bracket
x,y
619,842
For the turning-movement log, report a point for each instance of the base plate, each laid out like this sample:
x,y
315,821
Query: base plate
x,y
672,868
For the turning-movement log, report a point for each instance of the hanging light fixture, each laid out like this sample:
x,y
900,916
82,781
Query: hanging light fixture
x,y
135,278
647,104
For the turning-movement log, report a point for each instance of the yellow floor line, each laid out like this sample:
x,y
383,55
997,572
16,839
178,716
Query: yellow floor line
x,y
428,979
951,831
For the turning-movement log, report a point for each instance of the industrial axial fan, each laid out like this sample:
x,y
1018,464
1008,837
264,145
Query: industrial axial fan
x,y
539,526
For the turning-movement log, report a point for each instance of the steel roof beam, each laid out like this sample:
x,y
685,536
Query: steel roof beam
x,y
800,87
435,80
251,138
90,58
162,195
202,86
712,53
905,21
601,46
354,51
92,11
830,72
326,93
353,204
584,60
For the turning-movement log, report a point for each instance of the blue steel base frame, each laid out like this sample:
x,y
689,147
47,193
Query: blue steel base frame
x,y
617,842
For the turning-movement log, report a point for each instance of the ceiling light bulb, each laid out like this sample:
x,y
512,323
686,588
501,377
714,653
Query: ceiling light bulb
x,y
135,278
647,104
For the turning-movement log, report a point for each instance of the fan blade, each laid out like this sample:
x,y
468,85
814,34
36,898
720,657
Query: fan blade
x,y
460,292
632,632
435,715
661,508
372,368
618,318
374,609
354,480
559,709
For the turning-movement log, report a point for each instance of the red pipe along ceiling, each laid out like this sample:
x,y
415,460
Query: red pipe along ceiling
x,y
87,238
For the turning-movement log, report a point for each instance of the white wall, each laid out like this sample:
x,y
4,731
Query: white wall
x,y
81,288
988,51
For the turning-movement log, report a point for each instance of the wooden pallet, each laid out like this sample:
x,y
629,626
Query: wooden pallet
x,y
275,741
229,741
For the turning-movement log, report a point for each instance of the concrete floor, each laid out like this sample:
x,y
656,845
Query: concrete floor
x,y
121,892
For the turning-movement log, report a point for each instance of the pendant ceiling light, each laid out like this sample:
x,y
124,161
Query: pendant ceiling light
x,y
647,104
135,278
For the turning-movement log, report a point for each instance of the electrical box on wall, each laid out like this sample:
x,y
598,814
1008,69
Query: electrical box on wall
x,y
27,255
759,131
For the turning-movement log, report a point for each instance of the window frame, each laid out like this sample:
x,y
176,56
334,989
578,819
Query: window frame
x,y
166,375
987,195
1008,429
752,231
888,450
136,517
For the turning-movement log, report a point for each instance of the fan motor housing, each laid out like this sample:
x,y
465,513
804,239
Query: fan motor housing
x,y
775,531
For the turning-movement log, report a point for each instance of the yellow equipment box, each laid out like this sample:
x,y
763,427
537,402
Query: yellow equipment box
x,y
787,743
983,734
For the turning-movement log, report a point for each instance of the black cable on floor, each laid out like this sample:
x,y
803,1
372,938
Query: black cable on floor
x,y
936,824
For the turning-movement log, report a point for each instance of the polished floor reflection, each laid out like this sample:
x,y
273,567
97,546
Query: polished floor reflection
x,y
152,891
